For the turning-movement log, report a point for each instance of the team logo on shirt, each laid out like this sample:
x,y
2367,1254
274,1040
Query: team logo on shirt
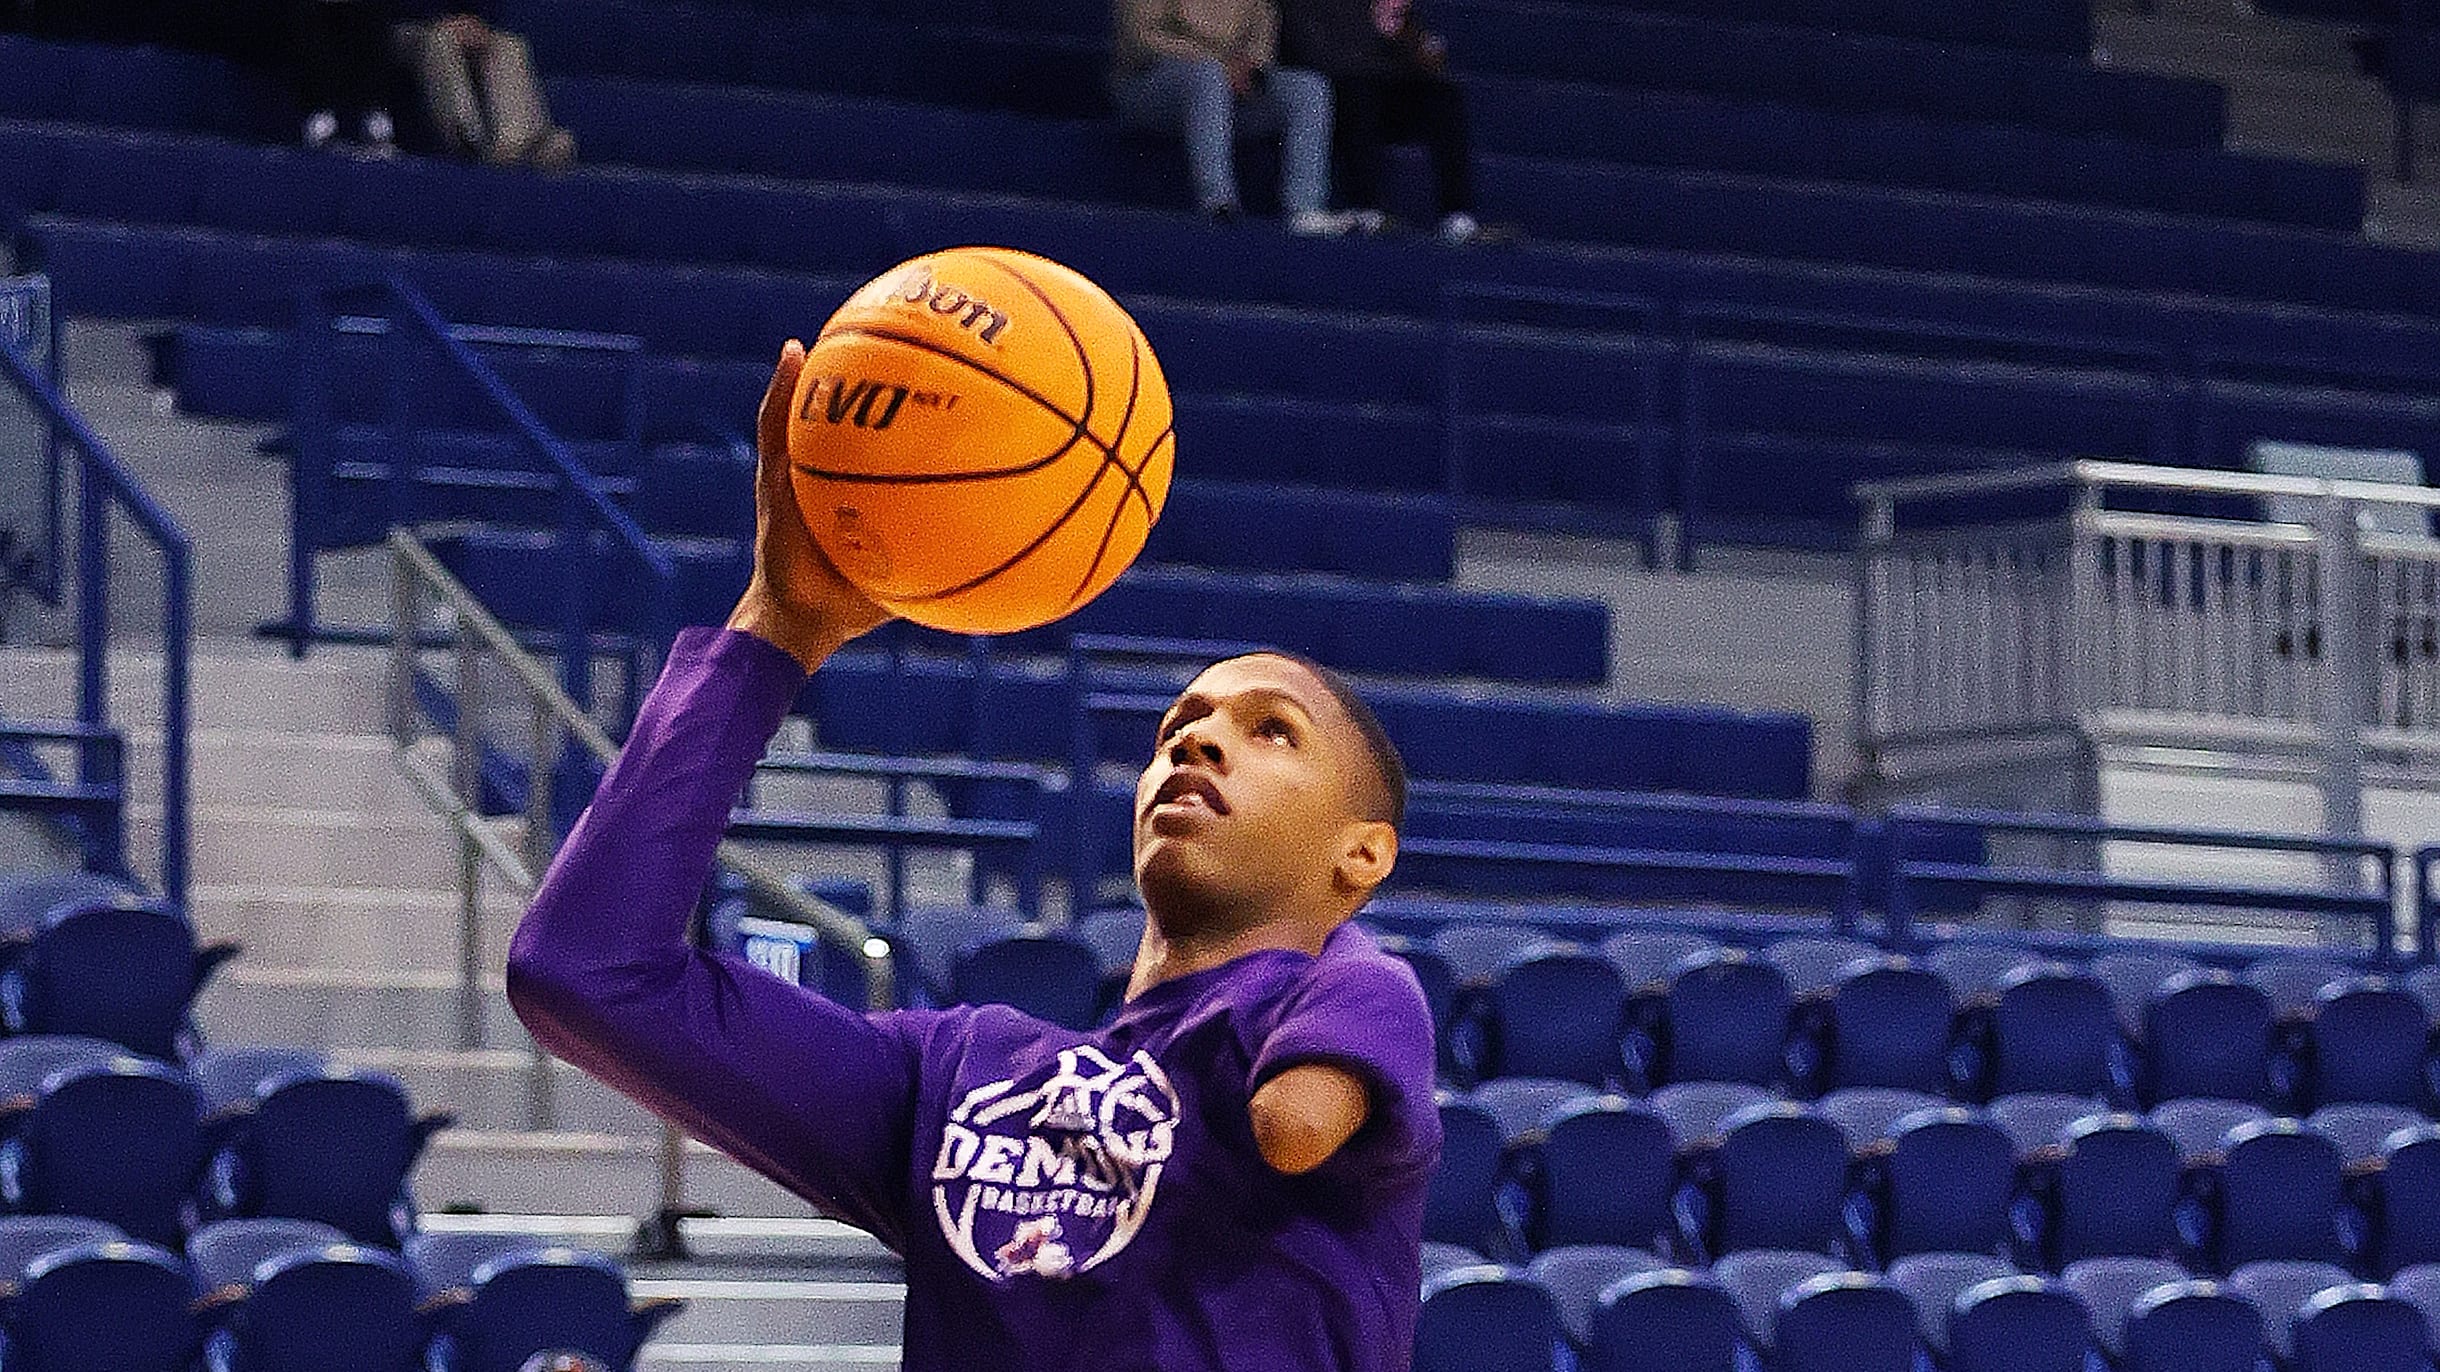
x,y
1051,1178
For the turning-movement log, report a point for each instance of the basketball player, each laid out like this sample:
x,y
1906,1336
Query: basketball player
x,y
1228,1176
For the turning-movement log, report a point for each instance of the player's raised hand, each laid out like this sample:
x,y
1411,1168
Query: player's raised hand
x,y
796,598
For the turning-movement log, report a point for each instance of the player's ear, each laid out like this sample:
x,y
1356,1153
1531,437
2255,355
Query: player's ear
x,y
1368,849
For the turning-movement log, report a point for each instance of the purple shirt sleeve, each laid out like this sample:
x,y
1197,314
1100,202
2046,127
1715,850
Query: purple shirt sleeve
x,y
1364,1012
818,1097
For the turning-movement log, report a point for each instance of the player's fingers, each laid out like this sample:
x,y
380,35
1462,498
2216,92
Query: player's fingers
x,y
771,421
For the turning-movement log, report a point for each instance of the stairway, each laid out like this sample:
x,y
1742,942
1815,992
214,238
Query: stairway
x,y
2293,91
313,851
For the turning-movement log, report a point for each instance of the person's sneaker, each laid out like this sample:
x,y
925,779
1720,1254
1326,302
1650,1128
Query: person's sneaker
x,y
1368,222
380,134
1460,227
1317,224
556,151
321,127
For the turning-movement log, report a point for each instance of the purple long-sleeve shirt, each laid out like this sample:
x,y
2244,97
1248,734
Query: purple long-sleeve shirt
x,y
1063,1199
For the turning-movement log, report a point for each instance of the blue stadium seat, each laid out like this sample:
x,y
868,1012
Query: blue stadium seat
x,y
1557,1012
337,1305
126,972
2193,1326
1727,1019
2294,981
2361,1130
24,1238
119,1142
2051,1030
1044,974
1944,1186
1115,934
527,1301
1486,1319
1522,1106
1814,964
2419,1286
2402,1209
1757,1278
27,1062
1576,1275
1475,953
1461,1204
1644,957
2019,1324
228,1078
224,1255
1666,1321
2115,1191
105,1307
2131,976
2109,1289
1605,1169
1844,1322
1432,977
931,938
2289,1292
330,1143
2200,1126
2369,1041
1866,1114
1975,967
2424,983
1889,1024
2207,1034
1778,1179
1447,1257
1933,1281
2037,1120
2278,1193
27,899
1697,1111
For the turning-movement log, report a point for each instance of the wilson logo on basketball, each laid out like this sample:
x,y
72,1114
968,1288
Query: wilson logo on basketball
x,y
918,289
866,404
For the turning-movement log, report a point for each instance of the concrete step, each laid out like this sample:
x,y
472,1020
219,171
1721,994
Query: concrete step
x,y
2162,42
297,846
500,1089
338,1008
232,685
727,1310
391,928
285,768
584,1174
801,1246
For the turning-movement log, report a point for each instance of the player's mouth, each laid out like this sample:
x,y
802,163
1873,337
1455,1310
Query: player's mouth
x,y
1187,791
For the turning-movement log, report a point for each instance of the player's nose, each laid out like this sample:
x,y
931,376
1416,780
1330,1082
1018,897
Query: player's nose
x,y
1195,744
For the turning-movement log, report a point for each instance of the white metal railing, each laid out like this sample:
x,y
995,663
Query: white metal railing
x,y
518,853
2115,600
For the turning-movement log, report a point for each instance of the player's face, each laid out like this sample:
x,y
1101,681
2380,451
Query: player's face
x,y
1248,798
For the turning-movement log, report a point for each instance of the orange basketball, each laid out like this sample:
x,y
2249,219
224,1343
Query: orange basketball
x,y
981,440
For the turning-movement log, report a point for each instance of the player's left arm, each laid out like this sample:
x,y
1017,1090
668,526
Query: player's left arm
x,y
1344,1078
1306,1114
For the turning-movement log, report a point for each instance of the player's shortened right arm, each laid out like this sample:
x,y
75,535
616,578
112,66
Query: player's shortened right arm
x,y
601,971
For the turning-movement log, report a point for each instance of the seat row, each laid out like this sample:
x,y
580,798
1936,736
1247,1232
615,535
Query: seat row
x,y
92,1130
1735,57
1620,1310
1972,1020
1872,1175
279,1295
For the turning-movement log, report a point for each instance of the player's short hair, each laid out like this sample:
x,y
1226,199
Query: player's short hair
x,y
1389,768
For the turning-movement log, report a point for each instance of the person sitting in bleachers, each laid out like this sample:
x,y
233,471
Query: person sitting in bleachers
x,y
338,53
1389,83
478,83
1205,69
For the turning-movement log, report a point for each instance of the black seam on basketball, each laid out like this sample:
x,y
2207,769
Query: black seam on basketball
x,y
1135,484
917,479
1084,361
1022,553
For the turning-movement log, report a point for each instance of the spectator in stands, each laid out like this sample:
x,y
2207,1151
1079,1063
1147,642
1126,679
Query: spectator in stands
x,y
339,53
478,83
1389,83
1206,69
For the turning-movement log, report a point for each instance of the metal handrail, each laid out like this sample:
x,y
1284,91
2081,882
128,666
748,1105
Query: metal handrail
x,y
100,473
2185,480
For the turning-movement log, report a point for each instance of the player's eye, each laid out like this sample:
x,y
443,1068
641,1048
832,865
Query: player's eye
x,y
1276,728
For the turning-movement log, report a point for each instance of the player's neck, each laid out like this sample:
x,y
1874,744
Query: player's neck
x,y
1167,956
